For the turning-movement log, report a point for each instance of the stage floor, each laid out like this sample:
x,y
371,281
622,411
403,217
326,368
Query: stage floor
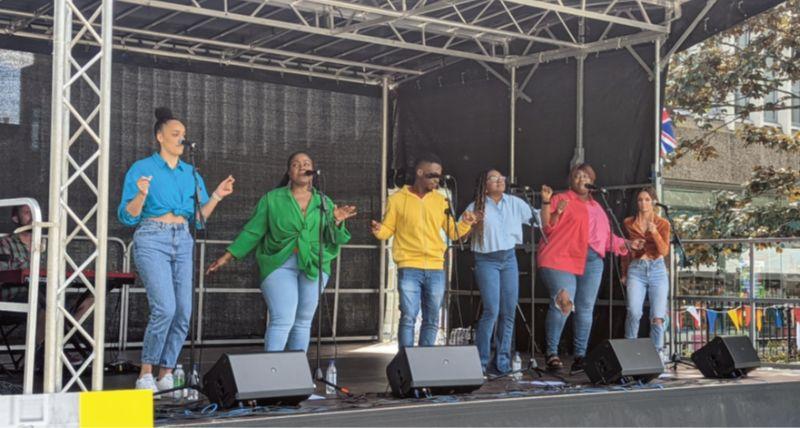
x,y
682,397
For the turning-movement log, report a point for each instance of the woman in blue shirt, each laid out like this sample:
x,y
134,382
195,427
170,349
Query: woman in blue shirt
x,y
157,198
493,240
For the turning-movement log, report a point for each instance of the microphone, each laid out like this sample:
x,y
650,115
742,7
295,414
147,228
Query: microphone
x,y
660,205
189,144
592,188
448,177
313,172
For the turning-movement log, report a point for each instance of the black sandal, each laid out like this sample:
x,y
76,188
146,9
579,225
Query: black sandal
x,y
554,363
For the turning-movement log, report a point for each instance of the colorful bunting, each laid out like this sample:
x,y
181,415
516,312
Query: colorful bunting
x,y
740,317
696,315
712,319
778,317
797,326
759,319
735,318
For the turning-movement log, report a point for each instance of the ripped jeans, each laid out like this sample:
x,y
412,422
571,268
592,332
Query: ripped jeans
x,y
582,292
647,277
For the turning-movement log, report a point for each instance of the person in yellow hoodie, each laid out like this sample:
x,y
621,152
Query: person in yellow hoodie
x,y
416,216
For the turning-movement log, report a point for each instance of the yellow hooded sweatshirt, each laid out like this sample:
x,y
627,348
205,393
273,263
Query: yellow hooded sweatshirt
x,y
416,223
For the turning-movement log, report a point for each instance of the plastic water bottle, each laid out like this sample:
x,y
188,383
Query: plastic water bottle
x,y
330,376
179,380
516,366
194,380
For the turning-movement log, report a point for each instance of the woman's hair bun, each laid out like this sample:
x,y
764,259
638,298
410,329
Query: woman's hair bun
x,y
163,114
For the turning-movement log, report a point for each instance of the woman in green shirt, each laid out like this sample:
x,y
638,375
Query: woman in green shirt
x,y
284,232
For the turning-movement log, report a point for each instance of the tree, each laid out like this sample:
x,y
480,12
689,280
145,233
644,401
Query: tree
x,y
723,74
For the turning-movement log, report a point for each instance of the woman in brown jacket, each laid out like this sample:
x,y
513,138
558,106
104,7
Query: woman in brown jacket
x,y
647,272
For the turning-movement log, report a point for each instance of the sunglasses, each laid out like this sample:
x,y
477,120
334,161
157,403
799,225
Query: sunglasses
x,y
433,175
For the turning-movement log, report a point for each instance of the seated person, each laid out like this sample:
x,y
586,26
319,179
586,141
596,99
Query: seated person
x,y
15,253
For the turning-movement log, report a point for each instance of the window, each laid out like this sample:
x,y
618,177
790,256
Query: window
x,y
771,116
796,104
740,102
11,65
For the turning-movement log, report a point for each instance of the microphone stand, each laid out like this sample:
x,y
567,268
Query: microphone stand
x,y
613,218
535,223
676,238
324,225
611,256
196,215
451,216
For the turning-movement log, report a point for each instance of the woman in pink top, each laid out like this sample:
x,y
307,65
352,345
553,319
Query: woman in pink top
x,y
572,262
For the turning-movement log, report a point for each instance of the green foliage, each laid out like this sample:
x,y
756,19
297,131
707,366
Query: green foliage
x,y
707,79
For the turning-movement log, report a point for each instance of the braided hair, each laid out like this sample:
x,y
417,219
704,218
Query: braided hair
x,y
479,199
285,179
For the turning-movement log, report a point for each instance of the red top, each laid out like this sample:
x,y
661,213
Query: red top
x,y
569,237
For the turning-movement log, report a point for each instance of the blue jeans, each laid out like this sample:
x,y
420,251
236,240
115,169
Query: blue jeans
x,y
647,277
292,299
163,256
582,291
497,275
425,287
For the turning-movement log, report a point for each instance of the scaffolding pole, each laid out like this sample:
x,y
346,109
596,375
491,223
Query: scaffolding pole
x,y
512,140
384,190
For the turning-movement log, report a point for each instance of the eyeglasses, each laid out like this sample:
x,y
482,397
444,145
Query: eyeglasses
x,y
495,179
433,175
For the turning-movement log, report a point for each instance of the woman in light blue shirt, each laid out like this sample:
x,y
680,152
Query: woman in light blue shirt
x,y
493,240
157,198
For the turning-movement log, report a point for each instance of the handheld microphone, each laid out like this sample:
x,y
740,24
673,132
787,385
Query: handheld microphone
x,y
189,144
592,188
313,172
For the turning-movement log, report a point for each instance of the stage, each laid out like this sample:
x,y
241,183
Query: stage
x,y
678,398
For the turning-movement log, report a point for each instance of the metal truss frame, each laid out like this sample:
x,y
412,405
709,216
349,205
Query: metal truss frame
x,y
361,41
77,129
379,43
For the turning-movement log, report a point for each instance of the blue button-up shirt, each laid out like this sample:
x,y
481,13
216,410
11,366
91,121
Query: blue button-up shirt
x,y
171,190
502,223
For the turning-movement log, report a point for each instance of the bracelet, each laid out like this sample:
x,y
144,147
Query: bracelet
x,y
545,202
216,197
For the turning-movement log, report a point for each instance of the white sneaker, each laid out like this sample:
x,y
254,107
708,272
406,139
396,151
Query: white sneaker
x,y
165,383
147,382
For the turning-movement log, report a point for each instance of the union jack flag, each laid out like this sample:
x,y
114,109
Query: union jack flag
x,y
668,142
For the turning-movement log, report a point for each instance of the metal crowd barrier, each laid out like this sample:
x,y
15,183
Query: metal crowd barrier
x,y
202,291
31,307
752,288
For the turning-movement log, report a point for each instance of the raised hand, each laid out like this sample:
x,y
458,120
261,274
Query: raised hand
x,y
143,184
225,188
344,212
547,193
651,227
